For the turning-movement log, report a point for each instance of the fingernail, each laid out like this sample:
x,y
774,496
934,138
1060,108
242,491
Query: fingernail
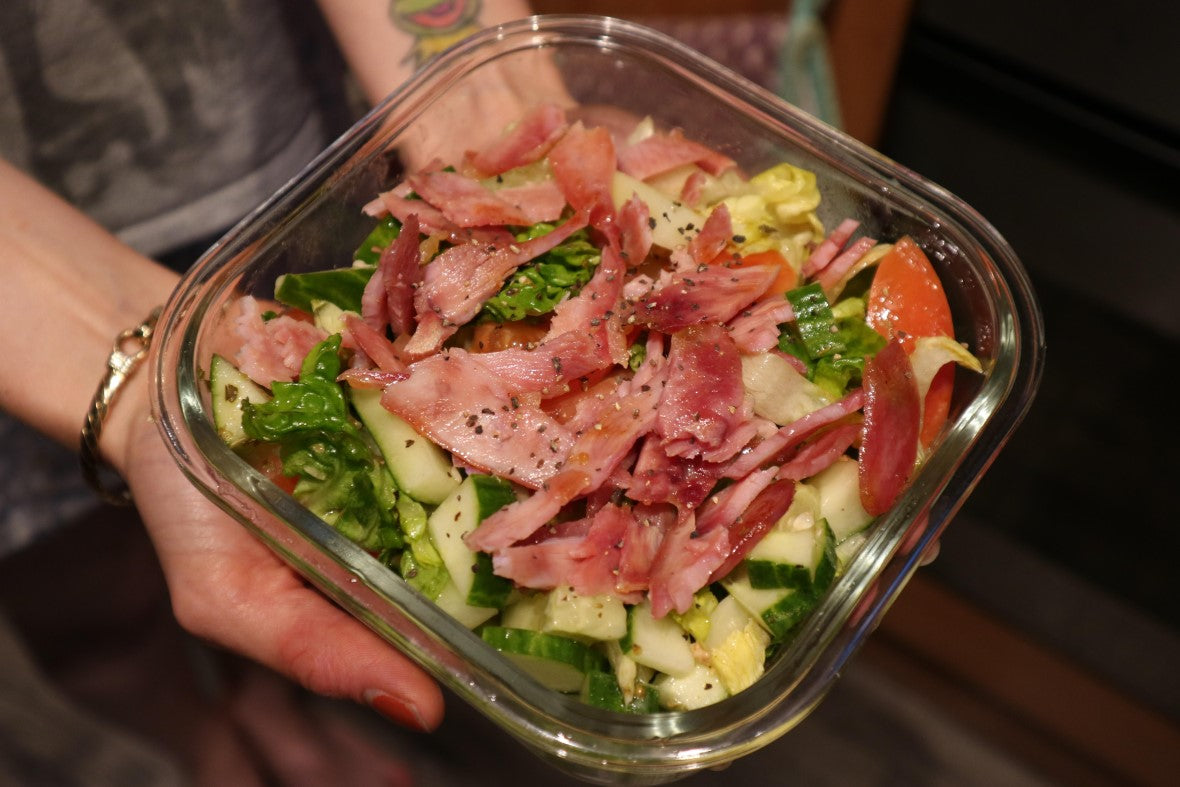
x,y
398,710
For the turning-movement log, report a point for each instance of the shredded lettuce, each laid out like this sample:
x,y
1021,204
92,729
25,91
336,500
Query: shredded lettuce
x,y
536,288
775,209
340,477
420,564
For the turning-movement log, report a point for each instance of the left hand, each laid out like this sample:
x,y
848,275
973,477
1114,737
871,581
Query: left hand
x,y
229,588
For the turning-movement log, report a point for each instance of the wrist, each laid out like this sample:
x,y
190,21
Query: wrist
x,y
123,390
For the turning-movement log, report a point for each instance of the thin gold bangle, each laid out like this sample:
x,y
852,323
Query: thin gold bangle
x,y
131,348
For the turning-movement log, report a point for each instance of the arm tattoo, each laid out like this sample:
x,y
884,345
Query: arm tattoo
x,y
434,24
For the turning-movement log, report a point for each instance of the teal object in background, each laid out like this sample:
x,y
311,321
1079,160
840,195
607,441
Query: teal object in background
x,y
804,71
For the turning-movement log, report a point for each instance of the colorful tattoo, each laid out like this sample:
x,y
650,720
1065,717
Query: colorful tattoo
x,y
434,24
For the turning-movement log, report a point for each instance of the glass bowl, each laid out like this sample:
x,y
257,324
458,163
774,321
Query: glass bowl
x,y
315,221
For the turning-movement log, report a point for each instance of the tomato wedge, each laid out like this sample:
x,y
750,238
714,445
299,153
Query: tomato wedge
x,y
492,336
787,276
906,300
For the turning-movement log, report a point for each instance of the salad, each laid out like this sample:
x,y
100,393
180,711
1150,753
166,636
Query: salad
x,y
616,405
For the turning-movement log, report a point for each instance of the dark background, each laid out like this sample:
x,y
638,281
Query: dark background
x,y
1059,121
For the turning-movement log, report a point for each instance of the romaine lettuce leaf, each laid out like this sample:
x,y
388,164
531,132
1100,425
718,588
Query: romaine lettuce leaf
x,y
341,478
537,287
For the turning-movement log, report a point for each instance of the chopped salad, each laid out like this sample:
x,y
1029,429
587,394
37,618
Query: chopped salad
x,y
608,400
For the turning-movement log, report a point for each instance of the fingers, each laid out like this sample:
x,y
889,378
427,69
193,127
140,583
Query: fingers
x,y
229,588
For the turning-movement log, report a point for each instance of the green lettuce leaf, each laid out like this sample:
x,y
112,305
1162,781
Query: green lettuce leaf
x,y
537,287
340,475
420,564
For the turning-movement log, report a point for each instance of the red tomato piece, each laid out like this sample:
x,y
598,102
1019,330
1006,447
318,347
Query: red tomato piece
x,y
906,300
492,336
265,457
889,446
786,279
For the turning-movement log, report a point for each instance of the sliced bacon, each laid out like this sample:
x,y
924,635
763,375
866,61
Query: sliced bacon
x,y
794,433
713,237
457,402
595,310
838,269
520,520
547,368
634,231
756,329
641,543
432,221
829,248
660,152
820,452
893,414
683,564
372,379
375,346
374,310
588,562
704,400
694,185
272,350
583,162
659,478
594,455
607,438
723,508
525,142
748,528
460,280
400,269
466,202
707,294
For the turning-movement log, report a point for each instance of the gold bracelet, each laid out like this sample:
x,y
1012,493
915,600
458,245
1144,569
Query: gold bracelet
x,y
131,347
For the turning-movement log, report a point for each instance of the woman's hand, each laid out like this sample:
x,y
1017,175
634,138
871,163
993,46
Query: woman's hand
x,y
229,588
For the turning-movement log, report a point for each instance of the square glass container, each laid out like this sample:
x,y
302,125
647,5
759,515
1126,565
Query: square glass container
x,y
316,222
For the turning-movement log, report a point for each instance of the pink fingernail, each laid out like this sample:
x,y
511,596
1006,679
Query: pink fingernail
x,y
396,709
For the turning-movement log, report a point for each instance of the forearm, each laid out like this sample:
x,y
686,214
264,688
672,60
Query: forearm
x,y
384,45
67,288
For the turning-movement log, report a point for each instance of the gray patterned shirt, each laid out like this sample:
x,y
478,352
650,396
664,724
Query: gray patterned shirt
x,y
166,121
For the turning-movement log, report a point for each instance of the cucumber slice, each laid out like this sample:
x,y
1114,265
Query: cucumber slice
x,y
230,387
601,689
454,602
557,662
847,549
487,589
602,617
839,498
701,686
673,223
525,612
460,513
421,469
659,643
778,610
803,560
